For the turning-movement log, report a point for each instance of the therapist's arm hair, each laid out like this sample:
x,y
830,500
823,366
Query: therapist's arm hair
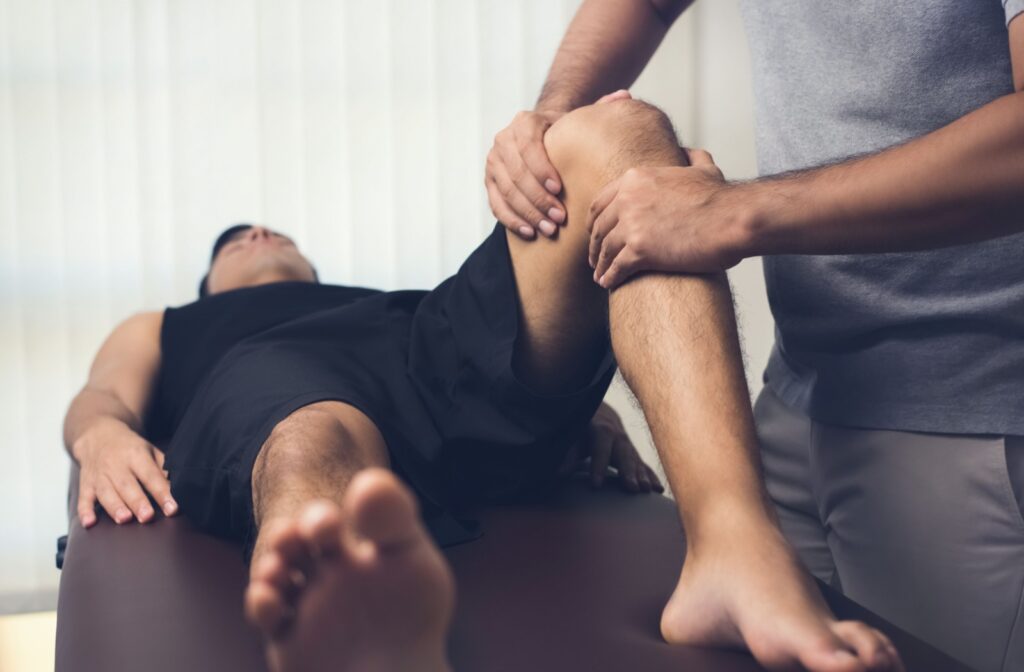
x,y
121,379
606,48
959,184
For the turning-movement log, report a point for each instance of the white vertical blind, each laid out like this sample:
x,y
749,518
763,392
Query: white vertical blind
x,y
133,131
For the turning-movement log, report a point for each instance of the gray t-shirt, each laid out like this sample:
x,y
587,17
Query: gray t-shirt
x,y
926,341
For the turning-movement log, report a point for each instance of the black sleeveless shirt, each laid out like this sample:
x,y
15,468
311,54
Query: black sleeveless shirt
x,y
194,337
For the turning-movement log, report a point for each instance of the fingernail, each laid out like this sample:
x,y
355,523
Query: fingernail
x,y
122,515
557,215
526,231
170,507
145,512
551,186
547,227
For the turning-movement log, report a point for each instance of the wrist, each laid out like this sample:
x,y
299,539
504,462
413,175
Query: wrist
x,y
776,215
92,433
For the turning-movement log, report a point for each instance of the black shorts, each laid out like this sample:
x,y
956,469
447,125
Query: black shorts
x,y
433,371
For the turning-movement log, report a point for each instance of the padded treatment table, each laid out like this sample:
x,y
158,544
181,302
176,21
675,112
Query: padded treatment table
x,y
571,581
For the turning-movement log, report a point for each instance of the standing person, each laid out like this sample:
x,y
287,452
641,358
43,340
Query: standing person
x,y
891,421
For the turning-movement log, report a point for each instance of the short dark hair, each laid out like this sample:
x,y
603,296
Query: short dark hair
x,y
221,241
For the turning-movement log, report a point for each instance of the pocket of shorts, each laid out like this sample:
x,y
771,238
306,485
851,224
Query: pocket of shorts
x,y
1013,476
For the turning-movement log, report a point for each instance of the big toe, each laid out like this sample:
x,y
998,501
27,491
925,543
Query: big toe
x,y
382,510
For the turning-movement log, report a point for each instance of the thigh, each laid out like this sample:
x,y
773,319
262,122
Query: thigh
x,y
925,531
784,436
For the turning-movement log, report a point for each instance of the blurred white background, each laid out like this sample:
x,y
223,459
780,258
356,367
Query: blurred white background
x,y
132,132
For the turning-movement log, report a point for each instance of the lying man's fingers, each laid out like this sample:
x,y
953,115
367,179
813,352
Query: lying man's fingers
x,y
131,493
655,480
153,479
600,456
626,463
112,502
86,504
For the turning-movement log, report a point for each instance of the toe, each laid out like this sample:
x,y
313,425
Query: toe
x,y
284,538
382,510
272,570
830,654
321,525
871,646
266,608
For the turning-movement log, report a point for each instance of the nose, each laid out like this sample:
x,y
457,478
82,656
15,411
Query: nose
x,y
258,232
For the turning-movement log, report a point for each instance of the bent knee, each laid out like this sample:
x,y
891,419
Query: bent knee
x,y
611,134
318,433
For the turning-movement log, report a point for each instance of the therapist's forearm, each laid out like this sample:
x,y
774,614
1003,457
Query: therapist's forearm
x,y
605,48
962,183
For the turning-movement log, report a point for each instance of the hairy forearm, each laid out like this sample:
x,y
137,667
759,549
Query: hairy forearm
x,y
92,406
959,184
605,48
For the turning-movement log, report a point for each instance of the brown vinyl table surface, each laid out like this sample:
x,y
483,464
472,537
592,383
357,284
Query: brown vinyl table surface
x,y
573,581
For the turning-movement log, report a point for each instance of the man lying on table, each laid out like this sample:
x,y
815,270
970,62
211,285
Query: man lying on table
x,y
288,404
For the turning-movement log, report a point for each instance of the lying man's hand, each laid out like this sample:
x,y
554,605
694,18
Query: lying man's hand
x,y
116,464
608,445
522,185
674,219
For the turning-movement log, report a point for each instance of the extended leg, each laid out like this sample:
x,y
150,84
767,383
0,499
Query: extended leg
x,y
675,341
344,577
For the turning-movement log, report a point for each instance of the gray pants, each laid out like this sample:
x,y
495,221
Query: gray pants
x,y
925,530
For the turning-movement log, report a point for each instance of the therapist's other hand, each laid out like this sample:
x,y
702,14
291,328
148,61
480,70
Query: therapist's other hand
x,y
670,218
118,467
522,185
609,445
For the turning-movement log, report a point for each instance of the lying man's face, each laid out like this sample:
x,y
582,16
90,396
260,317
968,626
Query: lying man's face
x,y
255,255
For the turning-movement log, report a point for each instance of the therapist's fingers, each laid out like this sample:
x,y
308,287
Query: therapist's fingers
x,y
601,218
699,157
519,150
505,215
518,201
625,265
533,161
610,249
621,94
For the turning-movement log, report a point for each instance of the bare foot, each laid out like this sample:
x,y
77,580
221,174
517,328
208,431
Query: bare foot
x,y
356,587
757,595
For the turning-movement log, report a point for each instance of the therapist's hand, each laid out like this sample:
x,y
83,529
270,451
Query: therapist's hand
x,y
681,219
522,185
118,468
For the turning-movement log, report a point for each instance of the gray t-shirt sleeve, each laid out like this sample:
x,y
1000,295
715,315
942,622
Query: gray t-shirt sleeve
x,y
1013,8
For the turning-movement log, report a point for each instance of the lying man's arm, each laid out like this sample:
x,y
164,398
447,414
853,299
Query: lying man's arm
x,y
961,183
103,427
